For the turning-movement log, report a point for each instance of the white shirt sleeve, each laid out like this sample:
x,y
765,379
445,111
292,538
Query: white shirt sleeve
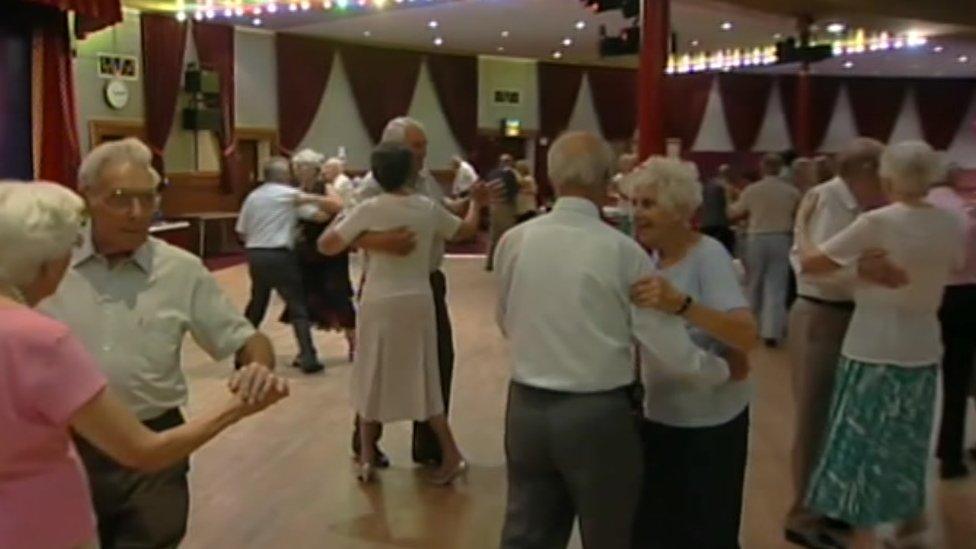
x,y
446,223
506,255
848,245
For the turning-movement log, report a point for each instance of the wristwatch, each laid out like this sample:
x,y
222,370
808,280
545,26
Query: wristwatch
x,y
685,305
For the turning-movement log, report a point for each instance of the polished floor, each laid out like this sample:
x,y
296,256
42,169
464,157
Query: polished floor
x,y
284,479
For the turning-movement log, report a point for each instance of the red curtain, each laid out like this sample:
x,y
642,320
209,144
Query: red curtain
x,y
383,83
163,46
215,49
92,15
942,105
304,66
559,86
455,79
615,100
57,153
745,98
686,98
876,104
823,100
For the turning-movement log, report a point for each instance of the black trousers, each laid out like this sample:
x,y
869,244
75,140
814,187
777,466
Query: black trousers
x,y
425,446
138,510
278,269
957,315
692,494
725,235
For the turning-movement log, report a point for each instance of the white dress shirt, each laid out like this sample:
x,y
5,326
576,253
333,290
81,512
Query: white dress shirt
x,y
133,317
464,178
564,304
836,209
900,326
269,215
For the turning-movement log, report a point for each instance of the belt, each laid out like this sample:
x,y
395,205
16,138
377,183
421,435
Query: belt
x,y
841,305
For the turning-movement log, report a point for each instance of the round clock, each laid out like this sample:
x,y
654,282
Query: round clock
x,y
116,94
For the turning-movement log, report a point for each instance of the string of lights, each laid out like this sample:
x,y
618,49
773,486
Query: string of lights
x,y
255,10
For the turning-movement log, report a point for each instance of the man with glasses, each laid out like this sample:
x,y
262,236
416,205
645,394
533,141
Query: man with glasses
x,y
131,299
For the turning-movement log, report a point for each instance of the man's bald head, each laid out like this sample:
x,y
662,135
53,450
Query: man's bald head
x,y
277,169
582,161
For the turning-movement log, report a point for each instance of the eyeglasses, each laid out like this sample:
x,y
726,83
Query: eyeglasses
x,y
123,200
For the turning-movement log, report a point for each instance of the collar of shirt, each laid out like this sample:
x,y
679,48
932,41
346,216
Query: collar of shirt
x,y
576,205
86,251
845,194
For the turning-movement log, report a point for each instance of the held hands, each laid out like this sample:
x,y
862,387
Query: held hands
x,y
655,292
255,388
875,266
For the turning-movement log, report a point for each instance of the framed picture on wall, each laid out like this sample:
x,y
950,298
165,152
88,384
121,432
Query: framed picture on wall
x,y
118,66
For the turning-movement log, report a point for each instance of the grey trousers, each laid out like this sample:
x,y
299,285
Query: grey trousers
x,y
768,278
571,455
816,335
277,269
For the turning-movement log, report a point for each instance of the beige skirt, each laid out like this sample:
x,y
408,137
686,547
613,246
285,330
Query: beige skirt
x,y
395,373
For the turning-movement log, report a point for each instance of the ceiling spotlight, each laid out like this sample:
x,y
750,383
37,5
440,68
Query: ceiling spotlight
x,y
228,12
567,42
256,21
580,25
778,36
433,24
695,43
964,59
727,26
505,34
836,28
272,8
181,16
438,41
848,64
239,11
938,49
500,49
378,4
293,7
198,16
306,6
257,11
367,34
557,54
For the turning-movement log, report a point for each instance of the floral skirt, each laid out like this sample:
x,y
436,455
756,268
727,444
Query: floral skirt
x,y
872,467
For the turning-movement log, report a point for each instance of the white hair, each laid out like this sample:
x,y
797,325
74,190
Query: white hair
x,y
396,129
129,150
335,161
675,181
911,167
308,157
39,222
580,159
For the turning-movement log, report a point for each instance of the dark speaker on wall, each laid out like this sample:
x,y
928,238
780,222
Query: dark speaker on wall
x,y
201,81
201,119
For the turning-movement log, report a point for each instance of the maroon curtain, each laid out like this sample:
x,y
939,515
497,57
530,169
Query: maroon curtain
x,y
823,99
57,153
615,101
745,98
304,66
686,97
382,81
559,86
942,105
92,15
215,48
455,79
876,104
163,46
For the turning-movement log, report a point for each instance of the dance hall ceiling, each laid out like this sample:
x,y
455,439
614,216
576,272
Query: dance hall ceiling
x,y
564,30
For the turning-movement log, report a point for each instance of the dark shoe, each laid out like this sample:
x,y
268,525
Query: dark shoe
x,y
381,461
312,368
297,363
951,470
771,343
812,540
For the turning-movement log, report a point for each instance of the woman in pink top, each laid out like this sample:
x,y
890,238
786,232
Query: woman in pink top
x,y
49,384
956,318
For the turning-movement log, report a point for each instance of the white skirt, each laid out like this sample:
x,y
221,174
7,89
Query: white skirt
x,y
395,373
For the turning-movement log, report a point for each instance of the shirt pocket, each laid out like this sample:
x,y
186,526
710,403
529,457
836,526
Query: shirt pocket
x,y
160,337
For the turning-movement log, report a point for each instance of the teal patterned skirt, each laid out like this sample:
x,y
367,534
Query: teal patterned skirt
x,y
872,467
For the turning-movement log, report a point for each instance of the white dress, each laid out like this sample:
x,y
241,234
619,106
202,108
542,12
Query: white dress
x,y
395,374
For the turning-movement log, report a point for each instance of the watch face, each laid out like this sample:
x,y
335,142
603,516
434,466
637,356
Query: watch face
x,y
116,94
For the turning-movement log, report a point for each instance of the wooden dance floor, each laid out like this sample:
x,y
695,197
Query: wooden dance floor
x,y
284,479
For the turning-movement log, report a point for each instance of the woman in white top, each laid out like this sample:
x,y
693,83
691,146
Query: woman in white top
x,y
872,466
395,375
695,436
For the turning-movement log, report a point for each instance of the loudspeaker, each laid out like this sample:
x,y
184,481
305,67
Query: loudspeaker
x,y
201,119
201,81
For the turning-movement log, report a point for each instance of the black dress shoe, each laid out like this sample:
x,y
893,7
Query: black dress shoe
x,y
312,368
771,343
951,470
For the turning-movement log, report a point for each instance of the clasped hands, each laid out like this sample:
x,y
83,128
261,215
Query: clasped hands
x,y
255,387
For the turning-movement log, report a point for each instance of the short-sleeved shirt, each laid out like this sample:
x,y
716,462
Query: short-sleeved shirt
x,y
133,316
965,212
388,275
771,204
269,216
45,378
900,326
706,274
465,177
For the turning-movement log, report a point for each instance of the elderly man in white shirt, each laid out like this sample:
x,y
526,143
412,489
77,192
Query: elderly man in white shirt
x,y
464,176
572,440
132,299
819,319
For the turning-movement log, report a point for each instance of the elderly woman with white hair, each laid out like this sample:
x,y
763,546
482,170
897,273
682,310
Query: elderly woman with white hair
x,y
325,279
873,463
695,436
50,386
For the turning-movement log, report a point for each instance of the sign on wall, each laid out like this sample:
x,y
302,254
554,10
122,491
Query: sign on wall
x,y
118,66
507,97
